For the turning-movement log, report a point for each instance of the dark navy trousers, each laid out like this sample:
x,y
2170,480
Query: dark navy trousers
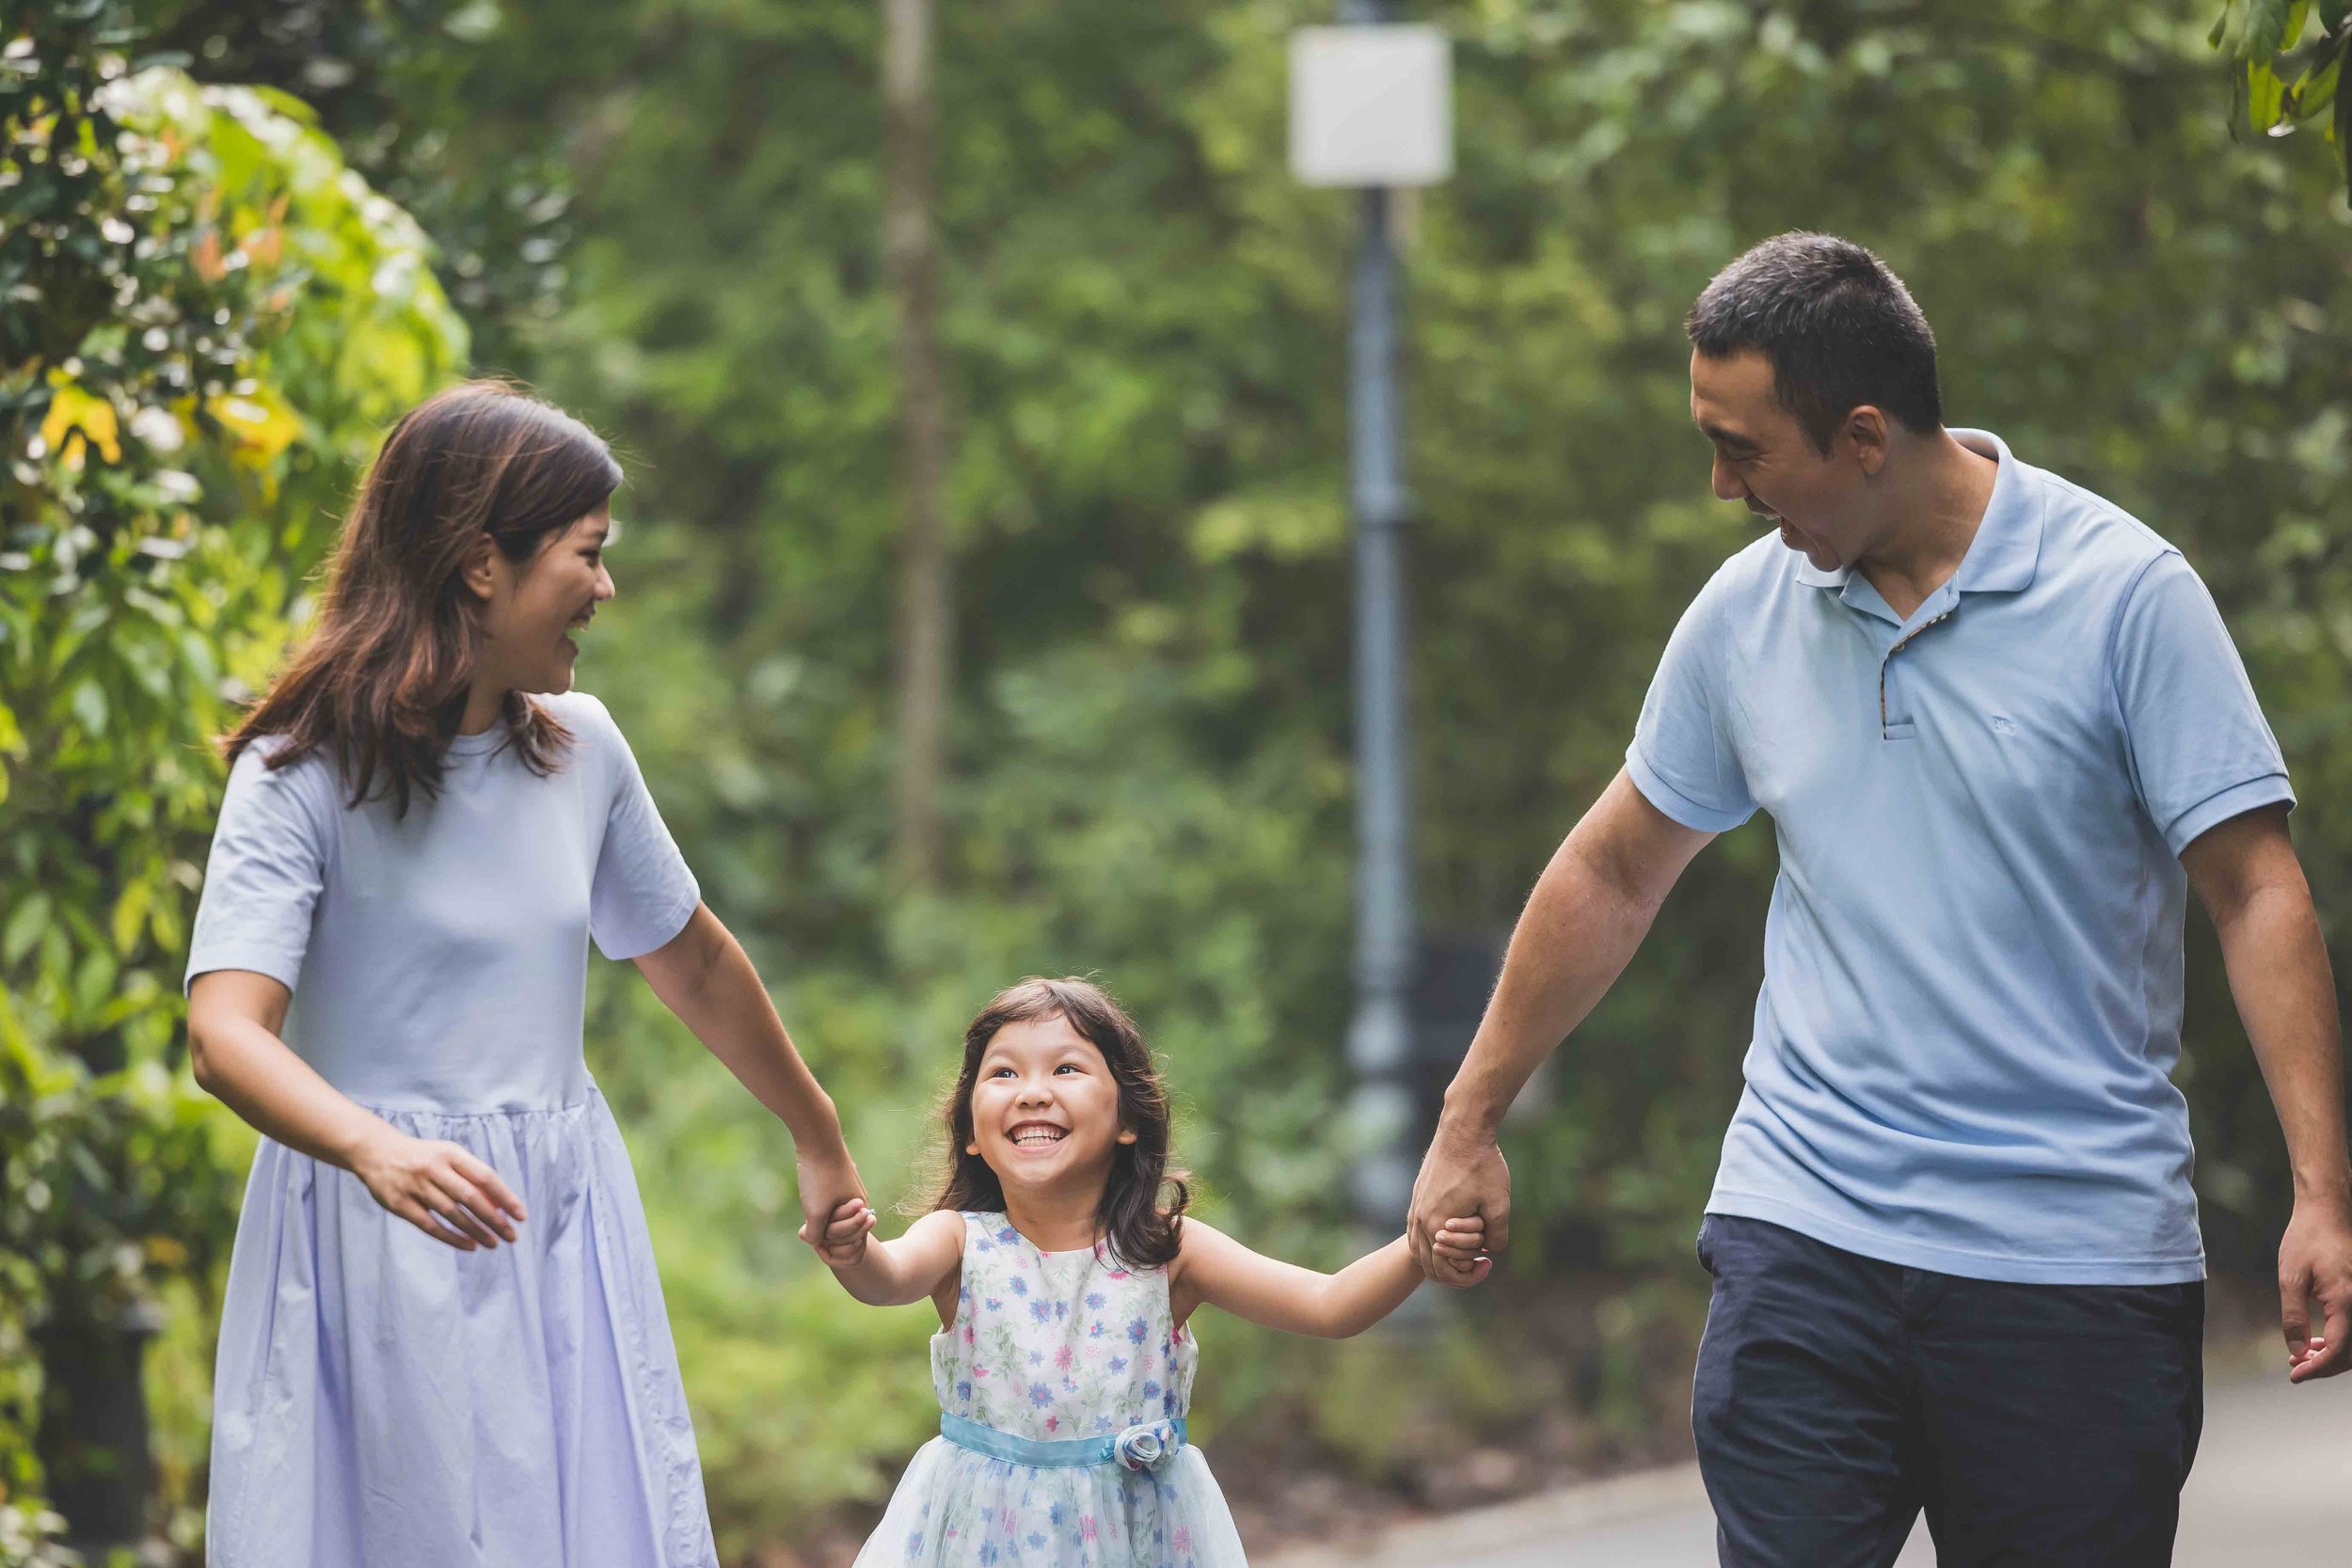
x,y
2038,1426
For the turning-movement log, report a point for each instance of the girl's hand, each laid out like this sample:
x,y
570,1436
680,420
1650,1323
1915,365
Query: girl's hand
x,y
1460,1250
842,1243
440,1188
828,1179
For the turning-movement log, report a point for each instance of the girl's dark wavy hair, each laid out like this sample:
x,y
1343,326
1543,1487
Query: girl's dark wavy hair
x,y
1138,1227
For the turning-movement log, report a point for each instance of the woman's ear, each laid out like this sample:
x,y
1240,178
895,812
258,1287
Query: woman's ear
x,y
481,571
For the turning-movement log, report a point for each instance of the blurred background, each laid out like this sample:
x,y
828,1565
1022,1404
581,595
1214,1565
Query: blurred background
x,y
985,602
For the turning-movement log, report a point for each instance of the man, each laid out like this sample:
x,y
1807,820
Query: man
x,y
2000,730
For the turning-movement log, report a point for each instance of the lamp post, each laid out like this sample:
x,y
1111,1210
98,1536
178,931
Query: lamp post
x,y
1371,109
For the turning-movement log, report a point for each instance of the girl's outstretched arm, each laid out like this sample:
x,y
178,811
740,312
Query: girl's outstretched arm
x,y
923,1262
703,975
1212,1267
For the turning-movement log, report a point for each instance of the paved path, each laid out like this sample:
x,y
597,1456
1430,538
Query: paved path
x,y
2273,1484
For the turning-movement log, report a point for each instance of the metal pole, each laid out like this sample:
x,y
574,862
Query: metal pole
x,y
1380,1037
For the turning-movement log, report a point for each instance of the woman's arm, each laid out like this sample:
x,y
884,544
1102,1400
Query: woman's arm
x,y
703,975
1215,1270
234,1046
923,1262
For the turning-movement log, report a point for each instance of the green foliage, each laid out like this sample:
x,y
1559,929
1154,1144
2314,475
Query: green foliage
x,y
207,322
2288,57
1143,316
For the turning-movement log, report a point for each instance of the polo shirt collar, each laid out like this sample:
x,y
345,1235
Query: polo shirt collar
x,y
2002,557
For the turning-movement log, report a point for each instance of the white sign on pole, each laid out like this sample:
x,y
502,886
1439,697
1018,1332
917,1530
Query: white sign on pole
x,y
1371,105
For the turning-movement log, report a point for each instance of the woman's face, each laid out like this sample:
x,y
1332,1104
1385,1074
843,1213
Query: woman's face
x,y
531,608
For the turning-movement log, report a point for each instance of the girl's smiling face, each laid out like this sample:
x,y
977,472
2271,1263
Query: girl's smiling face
x,y
1045,1107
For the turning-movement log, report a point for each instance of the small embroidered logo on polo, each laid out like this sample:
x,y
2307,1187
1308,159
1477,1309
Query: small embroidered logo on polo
x,y
2002,725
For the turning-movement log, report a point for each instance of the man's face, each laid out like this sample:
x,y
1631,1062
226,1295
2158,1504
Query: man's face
x,y
1764,458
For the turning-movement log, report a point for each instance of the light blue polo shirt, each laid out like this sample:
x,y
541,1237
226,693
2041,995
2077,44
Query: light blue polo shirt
x,y
1972,965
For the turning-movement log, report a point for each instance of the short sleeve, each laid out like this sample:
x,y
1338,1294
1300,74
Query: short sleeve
x,y
1682,759
642,891
2200,750
268,867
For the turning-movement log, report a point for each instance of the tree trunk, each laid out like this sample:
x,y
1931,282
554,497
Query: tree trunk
x,y
924,616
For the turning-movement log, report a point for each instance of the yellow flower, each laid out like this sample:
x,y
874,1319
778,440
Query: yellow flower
x,y
74,414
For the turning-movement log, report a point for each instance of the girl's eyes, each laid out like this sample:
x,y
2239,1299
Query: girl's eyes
x,y
1066,1067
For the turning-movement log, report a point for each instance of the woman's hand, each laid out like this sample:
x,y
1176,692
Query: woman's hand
x,y
440,1188
828,1181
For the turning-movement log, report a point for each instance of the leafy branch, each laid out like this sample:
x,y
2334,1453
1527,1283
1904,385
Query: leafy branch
x,y
2288,79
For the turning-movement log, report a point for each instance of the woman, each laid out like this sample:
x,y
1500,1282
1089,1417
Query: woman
x,y
443,1340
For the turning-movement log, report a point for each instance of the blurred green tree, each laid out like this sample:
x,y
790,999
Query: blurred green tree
x,y
1140,318
1143,319
207,320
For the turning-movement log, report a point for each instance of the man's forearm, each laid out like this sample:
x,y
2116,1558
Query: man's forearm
x,y
2286,997
1579,929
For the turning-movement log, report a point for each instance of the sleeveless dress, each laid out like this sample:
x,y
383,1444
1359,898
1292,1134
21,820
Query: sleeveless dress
x,y
1062,1385
382,1400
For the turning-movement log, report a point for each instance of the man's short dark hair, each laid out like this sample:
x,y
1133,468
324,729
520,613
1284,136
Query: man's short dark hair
x,y
1837,327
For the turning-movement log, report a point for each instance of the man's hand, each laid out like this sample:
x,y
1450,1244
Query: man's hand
x,y
2315,1266
1463,1174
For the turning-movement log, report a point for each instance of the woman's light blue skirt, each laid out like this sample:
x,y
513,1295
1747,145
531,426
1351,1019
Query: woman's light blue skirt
x,y
385,1400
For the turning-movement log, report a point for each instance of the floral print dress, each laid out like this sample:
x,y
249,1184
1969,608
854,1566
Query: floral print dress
x,y
1048,1347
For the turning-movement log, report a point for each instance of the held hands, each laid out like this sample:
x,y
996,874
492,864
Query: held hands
x,y
2315,1266
841,1239
440,1188
1463,1174
1459,1247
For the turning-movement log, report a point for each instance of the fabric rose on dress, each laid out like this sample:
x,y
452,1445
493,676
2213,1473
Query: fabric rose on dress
x,y
1146,1447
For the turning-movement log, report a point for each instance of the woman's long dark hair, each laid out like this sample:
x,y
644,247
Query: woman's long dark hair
x,y
1139,1229
381,683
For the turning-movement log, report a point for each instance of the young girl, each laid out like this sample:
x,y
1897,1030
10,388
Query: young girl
x,y
1063,1285
443,1338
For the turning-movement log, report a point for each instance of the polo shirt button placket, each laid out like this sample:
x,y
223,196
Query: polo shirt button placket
x,y
1900,644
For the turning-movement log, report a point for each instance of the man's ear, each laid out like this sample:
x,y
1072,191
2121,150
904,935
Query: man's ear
x,y
480,573
1865,428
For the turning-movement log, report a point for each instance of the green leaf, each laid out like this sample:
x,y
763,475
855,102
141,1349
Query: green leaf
x,y
2265,94
2316,92
2344,132
130,913
24,927
2220,38
94,980
88,705
2266,28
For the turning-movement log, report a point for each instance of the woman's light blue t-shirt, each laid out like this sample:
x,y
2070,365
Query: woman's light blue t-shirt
x,y
439,960
1971,1006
